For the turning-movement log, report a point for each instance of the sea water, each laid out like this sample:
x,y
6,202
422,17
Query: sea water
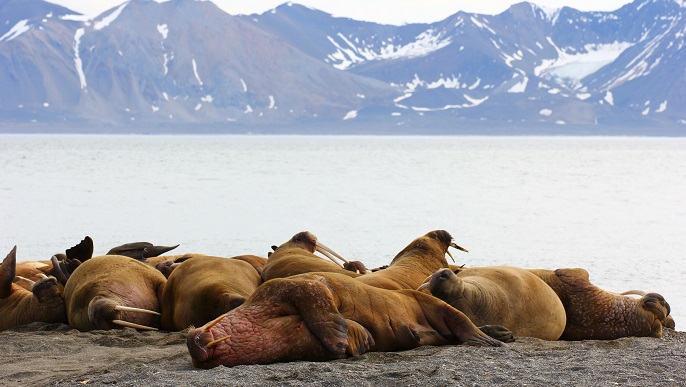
x,y
614,206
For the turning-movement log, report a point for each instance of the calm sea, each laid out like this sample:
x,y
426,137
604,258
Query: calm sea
x,y
614,206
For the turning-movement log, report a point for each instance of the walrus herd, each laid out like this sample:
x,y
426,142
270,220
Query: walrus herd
x,y
296,305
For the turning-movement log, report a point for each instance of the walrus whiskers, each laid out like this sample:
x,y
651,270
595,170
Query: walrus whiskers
x,y
133,325
212,323
130,309
215,342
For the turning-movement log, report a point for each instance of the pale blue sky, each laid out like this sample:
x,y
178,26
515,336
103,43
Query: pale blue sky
x,y
381,11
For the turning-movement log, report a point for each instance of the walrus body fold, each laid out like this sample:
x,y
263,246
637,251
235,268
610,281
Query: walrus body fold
x,y
324,316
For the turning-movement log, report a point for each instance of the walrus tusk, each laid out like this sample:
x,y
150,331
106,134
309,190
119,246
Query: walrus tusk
x,y
133,325
453,244
322,248
450,255
43,276
130,309
423,286
634,292
25,279
215,342
212,323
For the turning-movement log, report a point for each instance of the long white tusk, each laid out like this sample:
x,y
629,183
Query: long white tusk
x,y
175,264
43,276
322,248
130,309
26,279
453,244
217,341
133,325
450,255
634,293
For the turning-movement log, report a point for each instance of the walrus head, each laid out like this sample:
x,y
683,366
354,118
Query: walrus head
x,y
307,241
444,284
432,244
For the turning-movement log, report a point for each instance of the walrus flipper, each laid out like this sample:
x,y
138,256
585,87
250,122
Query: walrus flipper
x,y
140,250
8,269
498,332
464,330
315,304
81,252
359,339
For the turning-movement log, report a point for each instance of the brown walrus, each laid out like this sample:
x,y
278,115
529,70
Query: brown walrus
x,y
112,291
19,306
204,287
502,295
296,256
596,314
410,267
324,316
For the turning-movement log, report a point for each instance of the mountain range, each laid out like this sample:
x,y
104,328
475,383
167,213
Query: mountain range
x,y
186,65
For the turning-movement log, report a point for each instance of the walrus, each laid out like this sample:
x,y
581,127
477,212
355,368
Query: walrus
x,y
410,267
205,287
596,314
19,306
67,262
324,316
296,256
113,291
502,295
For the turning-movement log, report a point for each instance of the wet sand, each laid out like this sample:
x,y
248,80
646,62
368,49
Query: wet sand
x,y
55,354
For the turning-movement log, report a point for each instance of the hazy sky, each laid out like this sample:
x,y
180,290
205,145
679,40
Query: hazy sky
x,y
381,11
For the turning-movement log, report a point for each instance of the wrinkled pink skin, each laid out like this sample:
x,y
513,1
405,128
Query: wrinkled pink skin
x,y
324,316
596,314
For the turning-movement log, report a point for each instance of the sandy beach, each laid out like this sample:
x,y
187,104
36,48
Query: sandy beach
x,y
55,354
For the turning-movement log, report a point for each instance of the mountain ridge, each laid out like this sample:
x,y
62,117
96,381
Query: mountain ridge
x,y
186,64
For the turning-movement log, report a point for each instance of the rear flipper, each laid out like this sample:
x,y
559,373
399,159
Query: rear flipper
x,y
359,339
466,332
498,332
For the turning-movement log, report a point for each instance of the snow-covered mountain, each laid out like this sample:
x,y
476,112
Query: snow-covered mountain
x,y
186,63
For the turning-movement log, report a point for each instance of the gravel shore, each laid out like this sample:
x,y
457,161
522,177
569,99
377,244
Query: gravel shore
x,y
55,354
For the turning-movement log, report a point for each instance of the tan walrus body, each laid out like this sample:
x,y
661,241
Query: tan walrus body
x,y
203,288
502,295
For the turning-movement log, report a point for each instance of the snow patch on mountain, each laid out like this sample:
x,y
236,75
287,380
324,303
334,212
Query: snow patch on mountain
x,y
348,53
17,30
108,19
163,29
572,67
77,58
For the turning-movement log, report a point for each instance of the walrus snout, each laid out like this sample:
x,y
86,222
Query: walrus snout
x,y
47,292
657,304
197,341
